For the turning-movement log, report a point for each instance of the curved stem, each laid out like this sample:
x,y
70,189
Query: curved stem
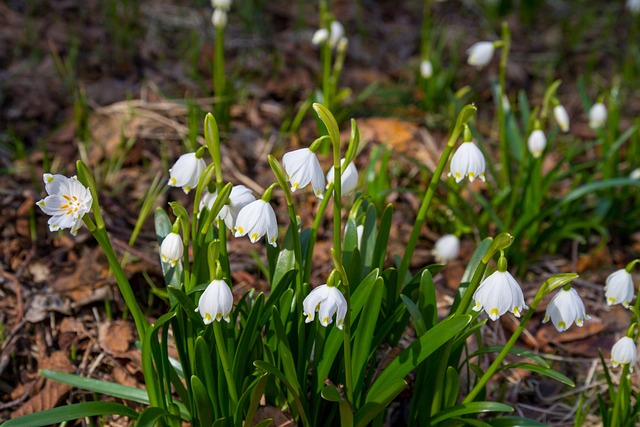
x,y
504,144
314,235
226,366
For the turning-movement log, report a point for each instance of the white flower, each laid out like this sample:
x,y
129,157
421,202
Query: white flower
x,y
447,247
597,115
67,202
343,44
635,174
619,288
239,197
480,54
219,18
624,352
426,69
215,302
320,36
257,219
498,294
467,161
633,6
336,33
562,117
172,249
302,167
348,177
565,308
186,172
327,301
221,4
537,143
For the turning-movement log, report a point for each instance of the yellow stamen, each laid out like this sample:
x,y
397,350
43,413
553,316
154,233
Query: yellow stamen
x,y
516,311
325,320
294,186
49,179
64,206
172,181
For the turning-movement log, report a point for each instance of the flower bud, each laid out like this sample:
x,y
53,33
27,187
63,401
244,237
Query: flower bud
x,y
172,249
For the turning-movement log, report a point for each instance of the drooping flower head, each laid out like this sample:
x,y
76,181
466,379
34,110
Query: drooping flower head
x,y
302,167
327,301
467,161
537,143
426,69
215,302
619,288
348,177
498,294
219,18
447,248
186,172
239,197
257,219
221,4
624,352
172,249
480,54
633,6
562,117
597,115
336,33
565,308
67,202
320,36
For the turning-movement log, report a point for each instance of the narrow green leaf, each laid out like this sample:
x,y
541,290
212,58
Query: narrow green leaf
x,y
470,408
548,372
71,412
510,421
451,387
382,240
202,401
416,316
516,351
150,416
332,394
269,368
187,305
370,410
258,391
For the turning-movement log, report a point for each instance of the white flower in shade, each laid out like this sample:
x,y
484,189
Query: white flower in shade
x,y
562,117
565,308
67,202
302,167
172,249
624,352
327,301
447,248
320,36
336,33
215,302
348,177
537,143
498,294
221,4
480,54
186,172
219,18
619,288
635,174
597,115
257,219
467,161
239,197
426,69
633,6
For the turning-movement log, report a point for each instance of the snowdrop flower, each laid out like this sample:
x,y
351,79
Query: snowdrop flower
x,y
635,174
302,167
327,301
426,69
562,117
320,36
239,197
219,18
537,143
67,202
619,288
186,172
336,33
221,4
498,294
480,54
624,352
215,302
633,6
597,115
257,219
348,177
447,248
172,249
467,161
565,308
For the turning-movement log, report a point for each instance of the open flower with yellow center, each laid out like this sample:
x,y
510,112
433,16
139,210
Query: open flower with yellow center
x,y
257,219
498,294
619,288
565,308
326,301
215,302
172,249
624,352
302,167
239,197
467,161
67,202
186,172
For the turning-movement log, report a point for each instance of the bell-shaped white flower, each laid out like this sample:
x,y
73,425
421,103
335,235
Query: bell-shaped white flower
x,y
480,54
348,177
219,18
336,33
221,4
186,172
257,219
215,302
327,301
67,202
633,6
537,142
565,308
426,69
302,167
320,36
597,115
624,352
562,117
447,248
239,197
467,161
172,249
619,288
635,174
498,294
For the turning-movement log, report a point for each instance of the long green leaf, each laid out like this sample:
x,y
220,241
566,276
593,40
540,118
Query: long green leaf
x,y
150,416
71,412
269,368
509,421
548,372
202,401
470,408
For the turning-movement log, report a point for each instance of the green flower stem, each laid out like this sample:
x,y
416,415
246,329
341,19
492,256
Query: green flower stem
x,y
617,417
629,268
348,371
314,234
226,366
463,117
219,80
504,144
425,46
